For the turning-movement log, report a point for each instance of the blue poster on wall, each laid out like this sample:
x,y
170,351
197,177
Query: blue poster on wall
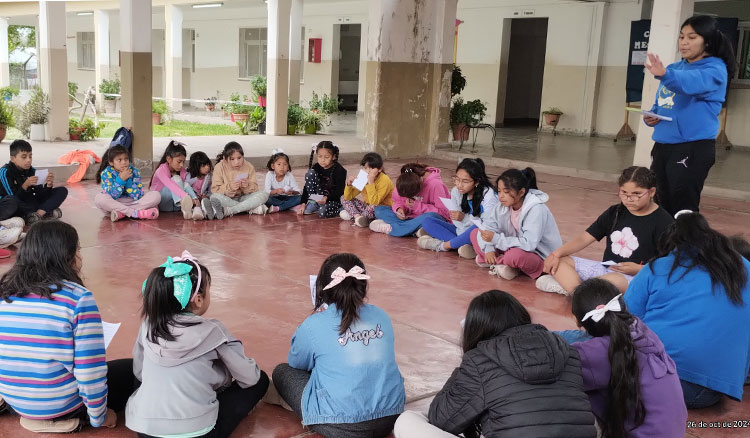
x,y
639,34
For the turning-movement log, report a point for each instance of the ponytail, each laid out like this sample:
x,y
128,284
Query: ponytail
x,y
325,144
348,296
517,180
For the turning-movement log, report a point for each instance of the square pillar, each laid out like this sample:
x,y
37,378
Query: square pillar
x,y
101,54
4,56
173,56
278,66
53,67
666,18
135,56
295,50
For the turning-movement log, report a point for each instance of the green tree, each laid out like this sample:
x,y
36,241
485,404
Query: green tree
x,y
21,37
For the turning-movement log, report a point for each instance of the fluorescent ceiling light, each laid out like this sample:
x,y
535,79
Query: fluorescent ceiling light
x,y
208,5
81,14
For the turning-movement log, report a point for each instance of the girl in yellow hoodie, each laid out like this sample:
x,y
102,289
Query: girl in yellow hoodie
x,y
234,187
376,192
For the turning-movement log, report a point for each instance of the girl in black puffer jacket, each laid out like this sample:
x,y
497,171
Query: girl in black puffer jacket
x,y
517,379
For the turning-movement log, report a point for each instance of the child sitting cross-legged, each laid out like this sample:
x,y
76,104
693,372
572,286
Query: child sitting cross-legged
x,y
377,191
122,191
281,186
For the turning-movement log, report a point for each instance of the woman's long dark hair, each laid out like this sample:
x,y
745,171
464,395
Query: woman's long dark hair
x,y
624,401
717,44
490,314
46,259
516,179
160,307
475,168
695,244
197,160
229,149
108,156
325,144
174,149
349,295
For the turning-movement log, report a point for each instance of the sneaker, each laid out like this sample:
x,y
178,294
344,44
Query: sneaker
x,y
481,264
547,283
273,209
344,215
421,232
217,208
149,213
227,212
32,218
260,210
431,243
311,207
14,222
380,226
362,222
504,271
272,397
54,214
208,209
116,216
197,214
467,252
299,209
4,253
9,236
186,207
51,426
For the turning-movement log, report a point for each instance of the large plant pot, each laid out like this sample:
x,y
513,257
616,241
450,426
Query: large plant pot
x,y
110,105
3,130
156,118
239,117
37,133
310,129
262,128
291,129
460,132
551,119
210,108
262,101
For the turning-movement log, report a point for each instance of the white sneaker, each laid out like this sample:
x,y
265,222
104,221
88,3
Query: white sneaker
x,y
14,222
186,207
467,252
9,236
430,243
547,283
198,214
344,215
504,271
380,226
421,232
481,264
362,222
260,210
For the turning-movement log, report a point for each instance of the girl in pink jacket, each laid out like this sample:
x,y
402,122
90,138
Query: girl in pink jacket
x,y
416,197
170,180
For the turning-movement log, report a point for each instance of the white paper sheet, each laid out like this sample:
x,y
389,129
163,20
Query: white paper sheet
x,y
648,113
609,263
109,329
449,204
287,188
316,198
478,223
241,176
313,293
361,181
41,174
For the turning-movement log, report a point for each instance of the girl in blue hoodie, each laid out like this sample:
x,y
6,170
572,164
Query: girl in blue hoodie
x,y
691,93
342,378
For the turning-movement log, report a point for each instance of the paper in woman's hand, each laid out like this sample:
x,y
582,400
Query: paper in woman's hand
x,y
360,181
449,204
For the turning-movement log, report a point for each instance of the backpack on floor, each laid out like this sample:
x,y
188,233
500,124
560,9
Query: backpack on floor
x,y
123,137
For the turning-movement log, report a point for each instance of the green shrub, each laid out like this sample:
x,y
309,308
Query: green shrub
x,y
110,87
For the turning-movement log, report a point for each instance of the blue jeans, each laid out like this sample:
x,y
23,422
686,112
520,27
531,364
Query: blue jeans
x,y
446,231
571,336
284,202
697,396
401,228
170,201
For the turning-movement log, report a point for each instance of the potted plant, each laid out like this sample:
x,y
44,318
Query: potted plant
x,y
257,120
110,87
294,115
239,111
158,109
258,85
458,81
464,115
552,116
84,130
35,114
7,93
6,118
211,103
72,90
326,105
312,121
74,129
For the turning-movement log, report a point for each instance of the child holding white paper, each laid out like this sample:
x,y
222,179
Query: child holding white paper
x,y
521,229
324,182
632,228
281,186
170,180
234,188
472,199
376,189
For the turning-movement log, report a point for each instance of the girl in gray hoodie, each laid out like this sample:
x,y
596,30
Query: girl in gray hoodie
x,y
196,379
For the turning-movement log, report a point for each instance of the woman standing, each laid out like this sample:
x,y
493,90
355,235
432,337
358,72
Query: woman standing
x,y
691,93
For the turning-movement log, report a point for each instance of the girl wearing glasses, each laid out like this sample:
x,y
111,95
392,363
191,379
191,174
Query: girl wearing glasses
x,y
632,229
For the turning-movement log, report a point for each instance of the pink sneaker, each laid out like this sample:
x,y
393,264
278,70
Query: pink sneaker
x,y
151,213
273,209
380,226
116,216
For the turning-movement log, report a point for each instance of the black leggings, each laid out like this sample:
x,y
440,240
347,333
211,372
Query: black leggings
x,y
681,169
290,383
234,405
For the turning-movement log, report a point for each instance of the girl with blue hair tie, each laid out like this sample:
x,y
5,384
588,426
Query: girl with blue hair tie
x,y
196,379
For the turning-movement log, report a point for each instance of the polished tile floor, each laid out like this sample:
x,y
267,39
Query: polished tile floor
x,y
260,268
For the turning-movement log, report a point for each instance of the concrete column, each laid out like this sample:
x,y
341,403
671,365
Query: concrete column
x,y
53,67
101,38
409,62
278,66
295,49
173,55
135,56
4,62
362,81
666,18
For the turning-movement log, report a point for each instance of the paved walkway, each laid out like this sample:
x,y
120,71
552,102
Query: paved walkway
x,y
260,267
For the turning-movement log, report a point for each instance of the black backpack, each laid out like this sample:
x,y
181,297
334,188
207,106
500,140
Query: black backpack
x,y
123,137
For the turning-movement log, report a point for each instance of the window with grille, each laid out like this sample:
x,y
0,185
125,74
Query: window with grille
x,y
743,53
86,50
253,52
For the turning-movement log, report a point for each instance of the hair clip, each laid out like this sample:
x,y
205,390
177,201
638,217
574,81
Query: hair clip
x,y
277,151
315,147
681,212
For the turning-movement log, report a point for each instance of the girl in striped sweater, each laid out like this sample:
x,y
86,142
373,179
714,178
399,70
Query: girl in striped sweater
x,y
52,368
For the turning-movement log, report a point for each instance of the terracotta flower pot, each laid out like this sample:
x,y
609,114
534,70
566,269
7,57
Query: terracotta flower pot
x,y
3,130
239,117
551,119
460,132
156,118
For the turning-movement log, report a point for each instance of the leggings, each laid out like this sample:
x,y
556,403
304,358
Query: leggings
x,y
401,228
356,207
530,263
446,232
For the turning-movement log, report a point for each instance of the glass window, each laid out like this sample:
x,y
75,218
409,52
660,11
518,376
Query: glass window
x,y
86,50
253,52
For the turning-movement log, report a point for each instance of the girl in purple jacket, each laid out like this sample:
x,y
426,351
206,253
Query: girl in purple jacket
x,y
631,381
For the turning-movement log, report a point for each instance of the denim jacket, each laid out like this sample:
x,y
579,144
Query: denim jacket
x,y
354,376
